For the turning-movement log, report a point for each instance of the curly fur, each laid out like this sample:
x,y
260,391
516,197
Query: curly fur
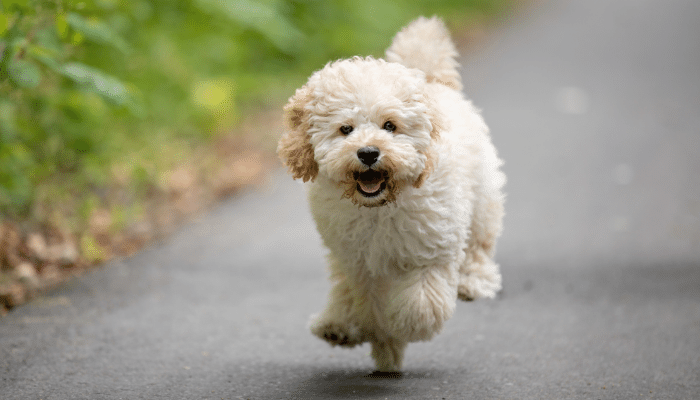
x,y
414,231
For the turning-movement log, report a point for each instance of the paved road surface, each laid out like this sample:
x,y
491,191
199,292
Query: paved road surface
x,y
594,105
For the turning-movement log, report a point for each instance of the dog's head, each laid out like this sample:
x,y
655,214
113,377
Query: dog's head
x,y
366,124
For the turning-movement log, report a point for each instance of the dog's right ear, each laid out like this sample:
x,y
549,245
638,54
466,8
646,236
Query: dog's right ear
x,y
294,148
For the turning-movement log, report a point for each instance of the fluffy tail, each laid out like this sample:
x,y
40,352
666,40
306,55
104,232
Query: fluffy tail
x,y
425,44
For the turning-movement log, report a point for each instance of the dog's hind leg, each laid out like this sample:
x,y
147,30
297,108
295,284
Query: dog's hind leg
x,y
480,278
479,274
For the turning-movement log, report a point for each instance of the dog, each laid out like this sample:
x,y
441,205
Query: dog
x,y
405,190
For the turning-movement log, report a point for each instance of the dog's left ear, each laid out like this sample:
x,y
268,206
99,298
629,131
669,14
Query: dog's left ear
x,y
435,118
294,148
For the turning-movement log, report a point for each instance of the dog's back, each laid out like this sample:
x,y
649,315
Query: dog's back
x,y
425,44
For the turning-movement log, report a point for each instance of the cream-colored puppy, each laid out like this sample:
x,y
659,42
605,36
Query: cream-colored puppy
x,y
405,191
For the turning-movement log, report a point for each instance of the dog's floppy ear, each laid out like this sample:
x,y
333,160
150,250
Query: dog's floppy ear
x,y
436,119
429,164
436,122
294,148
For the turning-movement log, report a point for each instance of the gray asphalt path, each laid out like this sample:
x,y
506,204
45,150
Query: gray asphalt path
x,y
594,105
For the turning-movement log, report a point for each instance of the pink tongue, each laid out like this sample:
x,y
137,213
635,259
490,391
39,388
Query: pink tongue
x,y
370,187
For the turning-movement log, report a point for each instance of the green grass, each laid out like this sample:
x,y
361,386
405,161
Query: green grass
x,y
95,92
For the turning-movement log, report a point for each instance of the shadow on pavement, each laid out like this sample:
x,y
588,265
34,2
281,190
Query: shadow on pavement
x,y
358,384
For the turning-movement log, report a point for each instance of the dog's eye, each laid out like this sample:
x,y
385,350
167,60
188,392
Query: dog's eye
x,y
389,126
346,129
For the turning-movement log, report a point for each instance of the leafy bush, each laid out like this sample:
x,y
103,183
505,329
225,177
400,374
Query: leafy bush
x,y
97,90
54,105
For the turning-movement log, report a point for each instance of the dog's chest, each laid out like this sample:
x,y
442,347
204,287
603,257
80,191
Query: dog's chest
x,y
388,238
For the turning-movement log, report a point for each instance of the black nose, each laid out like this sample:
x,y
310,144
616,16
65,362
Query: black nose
x,y
368,155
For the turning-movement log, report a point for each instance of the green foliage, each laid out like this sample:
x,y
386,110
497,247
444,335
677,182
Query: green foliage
x,y
89,84
53,107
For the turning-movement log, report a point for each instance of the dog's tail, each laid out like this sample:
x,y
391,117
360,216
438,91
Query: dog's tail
x,y
425,44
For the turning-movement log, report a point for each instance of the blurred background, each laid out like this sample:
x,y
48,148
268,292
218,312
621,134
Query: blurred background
x,y
118,118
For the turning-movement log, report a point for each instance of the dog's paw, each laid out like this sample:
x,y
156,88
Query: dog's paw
x,y
337,334
479,285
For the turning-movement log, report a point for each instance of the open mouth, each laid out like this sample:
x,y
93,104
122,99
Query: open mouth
x,y
370,183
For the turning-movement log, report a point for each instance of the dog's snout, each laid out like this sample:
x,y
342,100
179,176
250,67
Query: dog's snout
x,y
368,155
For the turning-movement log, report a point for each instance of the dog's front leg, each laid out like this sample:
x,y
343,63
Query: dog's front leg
x,y
338,323
420,301
387,353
